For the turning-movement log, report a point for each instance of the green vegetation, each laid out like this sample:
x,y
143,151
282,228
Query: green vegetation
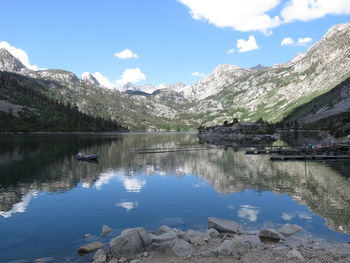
x,y
29,109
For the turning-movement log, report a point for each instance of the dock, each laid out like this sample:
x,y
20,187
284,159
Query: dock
x,y
318,157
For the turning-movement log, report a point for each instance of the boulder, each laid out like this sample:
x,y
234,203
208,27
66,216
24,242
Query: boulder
x,y
295,254
289,229
146,238
164,229
224,225
105,230
213,233
126,244
226,248
179,232
252,240
163,237
182,248
270,234
90,247
100,256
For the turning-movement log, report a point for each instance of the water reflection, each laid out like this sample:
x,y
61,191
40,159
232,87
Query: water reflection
x,y
32,165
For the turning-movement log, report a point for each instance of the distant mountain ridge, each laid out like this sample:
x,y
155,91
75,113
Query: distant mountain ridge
x,y
228,92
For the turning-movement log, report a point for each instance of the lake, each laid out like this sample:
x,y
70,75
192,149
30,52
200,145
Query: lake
x,y
49,200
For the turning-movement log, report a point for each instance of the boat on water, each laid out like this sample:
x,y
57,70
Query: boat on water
x,y
88,157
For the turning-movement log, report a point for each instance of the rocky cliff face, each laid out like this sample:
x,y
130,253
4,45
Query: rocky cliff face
x,y
9,62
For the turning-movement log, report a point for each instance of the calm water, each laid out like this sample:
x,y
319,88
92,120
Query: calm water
x,y
48,200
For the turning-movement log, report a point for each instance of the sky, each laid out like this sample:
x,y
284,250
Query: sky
x,y
162,41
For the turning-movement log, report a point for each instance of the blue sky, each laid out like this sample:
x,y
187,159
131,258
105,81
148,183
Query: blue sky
x,y
172,38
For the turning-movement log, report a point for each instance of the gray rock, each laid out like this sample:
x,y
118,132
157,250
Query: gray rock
x,y
100,256
164,229
105,230
192,234
295,254
135,261
113,260
86,235
270,234
224,225
182,248
146,238
226,248
179,232
288,229
252,240
213,233
154,246
163,237
127,244
90,247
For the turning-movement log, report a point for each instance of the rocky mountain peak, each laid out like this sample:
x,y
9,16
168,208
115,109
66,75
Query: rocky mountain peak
x,y
88,77
224,68
10,63
336,29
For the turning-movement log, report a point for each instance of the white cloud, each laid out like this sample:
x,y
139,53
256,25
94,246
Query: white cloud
x,y
247,45
131,75
306,10
198,74
230,51
126,53
18,53
287,41
133,184
128,206
247,15
304,41
104,81
248,212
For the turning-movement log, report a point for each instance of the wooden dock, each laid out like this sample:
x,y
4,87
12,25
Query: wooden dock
x,y
317,157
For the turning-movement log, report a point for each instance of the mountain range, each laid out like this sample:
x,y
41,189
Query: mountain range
x,y
309,88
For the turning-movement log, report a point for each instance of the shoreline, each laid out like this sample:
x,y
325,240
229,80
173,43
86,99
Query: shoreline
x,y
224,241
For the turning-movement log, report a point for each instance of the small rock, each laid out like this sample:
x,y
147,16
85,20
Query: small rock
x,y
270,234
86,235
226,248
100,256
289,229
208,253
182,248
213,233
126,244
145,254
90,247
123,260
105,230
135,261
295,254
224,225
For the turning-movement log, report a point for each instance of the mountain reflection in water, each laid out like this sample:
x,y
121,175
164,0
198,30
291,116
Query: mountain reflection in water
x,y
31,165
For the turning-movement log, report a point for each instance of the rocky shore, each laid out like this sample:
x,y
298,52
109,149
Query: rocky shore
x,y
223,241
